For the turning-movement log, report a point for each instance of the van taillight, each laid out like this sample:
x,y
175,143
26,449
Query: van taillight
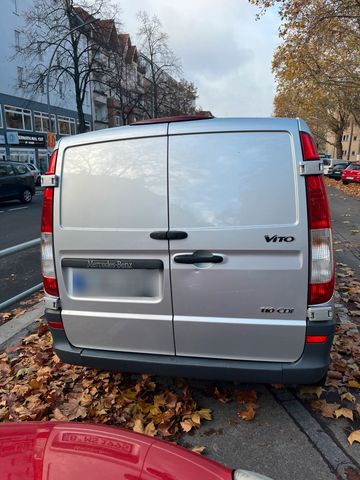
x,y
308,147
52,163
47,251
321,277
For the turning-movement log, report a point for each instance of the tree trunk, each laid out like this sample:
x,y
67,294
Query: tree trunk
x,y
350,141
338,143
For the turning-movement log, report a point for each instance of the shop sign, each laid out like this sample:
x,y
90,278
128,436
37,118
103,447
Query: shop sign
x,y
33,140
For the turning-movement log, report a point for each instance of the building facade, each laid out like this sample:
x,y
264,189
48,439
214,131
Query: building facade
x,y
24,117
350,144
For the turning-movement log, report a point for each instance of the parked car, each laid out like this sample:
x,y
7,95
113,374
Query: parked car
x,y
53,450
336,171
199,248
16,182
327,161
36,171
351,174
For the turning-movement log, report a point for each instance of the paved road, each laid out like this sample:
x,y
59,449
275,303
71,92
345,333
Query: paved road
x,y
20,223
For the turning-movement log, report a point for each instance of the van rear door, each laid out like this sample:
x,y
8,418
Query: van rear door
x,y
240,278
113,277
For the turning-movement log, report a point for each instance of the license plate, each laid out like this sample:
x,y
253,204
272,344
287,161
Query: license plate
x,y
79,282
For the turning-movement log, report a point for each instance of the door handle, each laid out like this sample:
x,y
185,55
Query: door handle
x,y
168,235
200,256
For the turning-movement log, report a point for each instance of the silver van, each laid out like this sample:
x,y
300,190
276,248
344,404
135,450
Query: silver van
x,y
191,246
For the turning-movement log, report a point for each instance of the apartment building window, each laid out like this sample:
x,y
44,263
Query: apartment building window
x,y
20,77
66,125
18,118
15,6
355,138
17,40
117,120
1,120
353,152
41,121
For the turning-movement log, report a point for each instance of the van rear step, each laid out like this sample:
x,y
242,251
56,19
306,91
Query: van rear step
x,y
309,369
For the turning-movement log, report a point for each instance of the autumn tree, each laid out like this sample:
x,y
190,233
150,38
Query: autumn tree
x,y
68,27
317,63
323,36
159,61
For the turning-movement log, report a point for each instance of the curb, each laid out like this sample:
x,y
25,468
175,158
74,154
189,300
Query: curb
x,y
20,325
334,455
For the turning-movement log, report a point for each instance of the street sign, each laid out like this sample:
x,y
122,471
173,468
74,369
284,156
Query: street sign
x,y
51,140
12,137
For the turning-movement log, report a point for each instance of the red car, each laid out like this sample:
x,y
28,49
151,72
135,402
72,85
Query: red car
x,y
74,451
351,173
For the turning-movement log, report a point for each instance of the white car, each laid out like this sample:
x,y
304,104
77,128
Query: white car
x,y
36,172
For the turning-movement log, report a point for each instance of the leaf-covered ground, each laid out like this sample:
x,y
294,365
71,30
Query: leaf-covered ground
x,y
340,397
36,385
352,189
21,308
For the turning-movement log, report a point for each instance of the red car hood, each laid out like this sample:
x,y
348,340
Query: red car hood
x,y
75,451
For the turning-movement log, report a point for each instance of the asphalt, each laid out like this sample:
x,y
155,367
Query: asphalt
x,y
20,223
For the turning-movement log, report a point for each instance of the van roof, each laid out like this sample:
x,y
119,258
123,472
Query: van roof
x,y
162,127
177,118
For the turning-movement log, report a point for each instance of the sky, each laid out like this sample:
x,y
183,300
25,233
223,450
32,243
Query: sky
x,y
222,48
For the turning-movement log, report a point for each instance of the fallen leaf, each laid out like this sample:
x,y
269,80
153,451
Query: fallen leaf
x,y
326,409
223,397
354,437
138,426
150,429
245,396
247,414
353,384
186,425
198,449
59,416
348,396
344,412
195,418
205,413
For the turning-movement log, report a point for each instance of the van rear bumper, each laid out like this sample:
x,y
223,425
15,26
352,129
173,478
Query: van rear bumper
x,y
310,368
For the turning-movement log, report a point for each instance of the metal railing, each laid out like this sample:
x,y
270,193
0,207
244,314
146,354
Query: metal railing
x,y
9,251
